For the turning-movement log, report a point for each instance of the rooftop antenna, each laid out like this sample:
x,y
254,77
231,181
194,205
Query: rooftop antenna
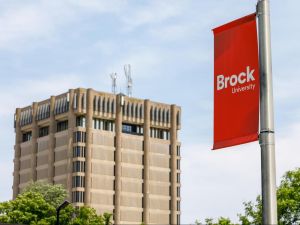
x,y
114,82
127,70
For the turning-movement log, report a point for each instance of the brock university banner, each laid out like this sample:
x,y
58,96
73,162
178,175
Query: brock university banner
x,y
236,83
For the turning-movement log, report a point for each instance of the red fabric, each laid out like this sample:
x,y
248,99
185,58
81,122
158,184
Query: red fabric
x,y
236,83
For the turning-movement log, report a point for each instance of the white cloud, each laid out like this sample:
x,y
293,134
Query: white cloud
x,y
25,90
99,6
151,12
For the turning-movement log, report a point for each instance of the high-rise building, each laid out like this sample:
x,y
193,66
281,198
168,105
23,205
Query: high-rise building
x,y
112,152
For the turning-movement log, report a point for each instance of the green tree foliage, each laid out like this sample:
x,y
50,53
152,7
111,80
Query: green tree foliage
x,y
288,202
36,205
221,221
28,208
53,194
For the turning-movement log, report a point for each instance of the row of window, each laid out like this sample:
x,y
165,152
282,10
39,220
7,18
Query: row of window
x,y
43,111
78,181
104,105
79,166
61,105
79,151
79,136
43,131
132,129
27,136
77,196
100,124
61,125
133,110
160,133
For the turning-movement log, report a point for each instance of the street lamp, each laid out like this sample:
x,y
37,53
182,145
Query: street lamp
x,y
63,205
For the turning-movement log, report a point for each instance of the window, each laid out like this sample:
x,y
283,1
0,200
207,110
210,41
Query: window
x,y
80,121
27,136
160,133
78,166
78,181
178,119
78,196
79,136
132,129
78,151
178,205
62,125
178,219
178,164
178,150
178,191
43,131
100,124
178,177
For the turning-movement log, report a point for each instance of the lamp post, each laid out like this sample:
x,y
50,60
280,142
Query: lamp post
x,y
63,205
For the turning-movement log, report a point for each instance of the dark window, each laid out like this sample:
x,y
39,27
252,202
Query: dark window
x,y
80,121
178,177
178,150
178,219
132,129
78,166
78,181
79,151
78,196
79,136
178,205
43,131
178,164
178,191
159,133
100,124
27,136
62,125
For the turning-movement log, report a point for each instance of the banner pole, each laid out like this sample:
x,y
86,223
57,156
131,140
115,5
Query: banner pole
x,y
266,137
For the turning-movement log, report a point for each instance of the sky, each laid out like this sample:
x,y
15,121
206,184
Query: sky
x,y
48,47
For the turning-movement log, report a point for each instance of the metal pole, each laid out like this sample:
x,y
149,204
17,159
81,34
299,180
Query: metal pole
x,y
57,216
266,137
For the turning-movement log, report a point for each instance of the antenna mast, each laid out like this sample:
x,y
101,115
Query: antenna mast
x,y
114,82
127,70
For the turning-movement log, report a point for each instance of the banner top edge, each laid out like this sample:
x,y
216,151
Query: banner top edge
x,y
234,23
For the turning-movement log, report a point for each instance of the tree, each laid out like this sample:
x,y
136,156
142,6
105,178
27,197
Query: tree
x,y
53,194
288,202
36,205
221,221
28,208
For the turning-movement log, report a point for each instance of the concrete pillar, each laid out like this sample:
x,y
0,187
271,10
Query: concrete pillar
x,y
88,157
52,131
173,165
18,141
71,127
35,135
118,121
146,161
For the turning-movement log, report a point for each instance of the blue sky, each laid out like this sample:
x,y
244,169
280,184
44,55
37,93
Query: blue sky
x,y
169,45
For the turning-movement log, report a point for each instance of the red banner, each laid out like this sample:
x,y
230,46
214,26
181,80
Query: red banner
x,y
236,83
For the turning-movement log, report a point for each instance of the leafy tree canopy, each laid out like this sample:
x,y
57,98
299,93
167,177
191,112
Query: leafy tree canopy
x,y
53,194
37,204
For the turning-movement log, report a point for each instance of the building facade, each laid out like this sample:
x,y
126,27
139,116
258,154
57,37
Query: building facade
x,y
112,152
